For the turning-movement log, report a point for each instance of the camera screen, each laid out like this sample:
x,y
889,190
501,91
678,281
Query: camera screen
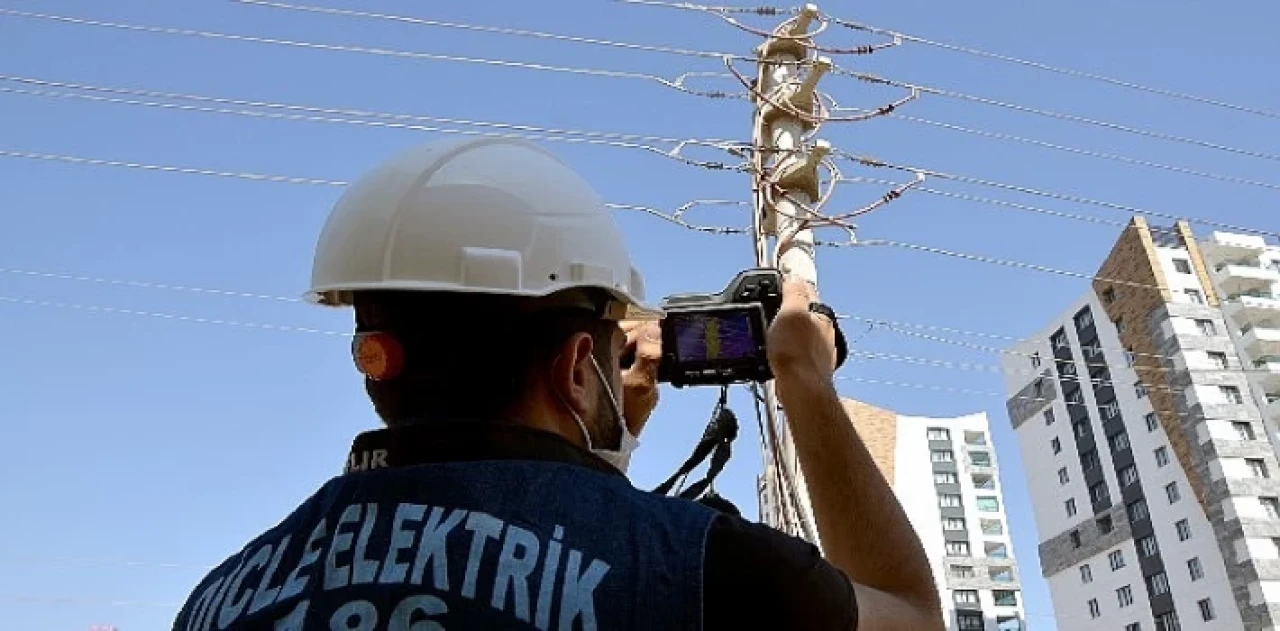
x,y
723,335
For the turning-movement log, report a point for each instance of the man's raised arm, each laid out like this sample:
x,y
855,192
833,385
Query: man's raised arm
x,y
864,530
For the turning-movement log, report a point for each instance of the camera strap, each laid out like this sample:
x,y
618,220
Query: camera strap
x,y
716,443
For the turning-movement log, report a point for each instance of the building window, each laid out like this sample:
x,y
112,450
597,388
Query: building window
x,y
1157,584
1094,610
1035,360
1138,510
941,455
1071,507
1089,459
1162,456
970,621
1084,318
980,458
953,523
1005,597
1257,467
1119,322
983,482
1182,265
1140,390
1063,476
1081,427
988,504
992,527
1171,492
1231,394
1119,442
1110,410
958,548
945,477
1244,430
962,571
1130,358
1008,623
1147,546
1125,596
975,438
1128,475
1168,622
1195,569
949,500
996,550
1133,626
1000,574
1194,296
1059,340
1109,295
1116,559
1056,446
1206,609
1086,573
1206,327
1104,524
1219,360
1271,506
939,433
1048,417
1098,493
966,596
1153,421
1075,538
1184,529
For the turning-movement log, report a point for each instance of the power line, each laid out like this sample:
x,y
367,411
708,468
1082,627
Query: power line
x,y
676,84
1051,114
1054,69
1132,210
600,138
497,30
1086,152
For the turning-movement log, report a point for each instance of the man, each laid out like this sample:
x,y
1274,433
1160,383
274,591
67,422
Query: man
x,y
494,299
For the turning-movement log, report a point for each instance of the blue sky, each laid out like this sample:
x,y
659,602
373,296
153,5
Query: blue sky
x,y
141,449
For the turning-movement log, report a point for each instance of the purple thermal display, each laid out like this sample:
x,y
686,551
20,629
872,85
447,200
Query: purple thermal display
x,y
717,336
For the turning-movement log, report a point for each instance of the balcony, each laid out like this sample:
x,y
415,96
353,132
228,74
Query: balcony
x,y
1273,407
1245,277
1222,246
1267,372
1261,341
1246,309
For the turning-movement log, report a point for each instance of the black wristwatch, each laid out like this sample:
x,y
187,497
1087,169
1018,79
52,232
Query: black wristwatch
x,y
842,347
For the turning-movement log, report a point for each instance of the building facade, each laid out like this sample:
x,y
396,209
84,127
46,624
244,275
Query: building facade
x,y
945,475
1140,415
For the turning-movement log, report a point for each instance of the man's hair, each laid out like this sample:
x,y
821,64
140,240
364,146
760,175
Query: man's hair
x,y
469,356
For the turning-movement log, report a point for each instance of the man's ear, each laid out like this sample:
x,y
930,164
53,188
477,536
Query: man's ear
x,y
571,374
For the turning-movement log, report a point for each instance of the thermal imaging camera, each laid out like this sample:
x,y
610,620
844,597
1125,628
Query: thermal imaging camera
x,y
718,339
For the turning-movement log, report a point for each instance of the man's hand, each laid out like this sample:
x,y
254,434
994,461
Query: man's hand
x,y
640,380
801,344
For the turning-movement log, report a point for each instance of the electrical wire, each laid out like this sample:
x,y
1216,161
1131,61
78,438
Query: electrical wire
x,y
1132,210
358,113
496,30
673,153
676,217
1054,69
677,83
1086,152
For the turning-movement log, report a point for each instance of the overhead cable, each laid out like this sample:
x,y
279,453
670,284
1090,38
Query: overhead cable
x,y
677,83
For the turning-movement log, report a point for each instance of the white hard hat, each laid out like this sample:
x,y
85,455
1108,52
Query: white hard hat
x,y
492,216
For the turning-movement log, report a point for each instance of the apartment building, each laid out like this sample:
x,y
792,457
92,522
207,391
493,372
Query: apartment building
x,y
945,474
1140,414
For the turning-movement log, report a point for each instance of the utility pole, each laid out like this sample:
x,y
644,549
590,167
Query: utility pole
x,y
785,189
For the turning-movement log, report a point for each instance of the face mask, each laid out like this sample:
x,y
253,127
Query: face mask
x,y
620,459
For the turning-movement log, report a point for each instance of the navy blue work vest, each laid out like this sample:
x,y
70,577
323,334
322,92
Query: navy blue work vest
x,y
491,544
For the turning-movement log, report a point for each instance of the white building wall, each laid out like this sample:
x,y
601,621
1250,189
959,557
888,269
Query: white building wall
x,y
915,489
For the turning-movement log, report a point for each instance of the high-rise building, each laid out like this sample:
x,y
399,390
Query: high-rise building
x,y
944,473
1140,414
